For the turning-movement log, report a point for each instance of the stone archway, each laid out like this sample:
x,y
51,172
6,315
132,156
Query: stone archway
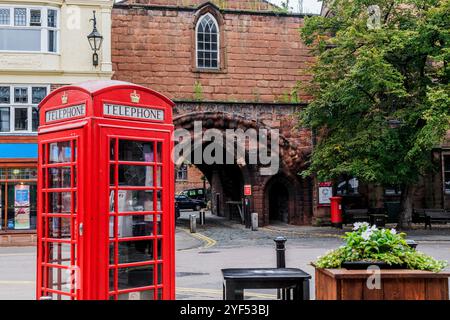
x,y
227,180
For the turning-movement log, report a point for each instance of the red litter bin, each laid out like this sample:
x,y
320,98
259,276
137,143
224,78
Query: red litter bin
x,y
336,211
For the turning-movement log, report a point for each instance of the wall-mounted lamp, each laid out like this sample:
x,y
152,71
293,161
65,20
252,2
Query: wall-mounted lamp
x,y
95,41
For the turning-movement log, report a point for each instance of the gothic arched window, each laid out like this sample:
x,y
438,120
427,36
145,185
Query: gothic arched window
x,y
207,42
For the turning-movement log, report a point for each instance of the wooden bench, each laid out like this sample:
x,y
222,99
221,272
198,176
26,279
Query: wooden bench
x,y
418,216
436,215
356,215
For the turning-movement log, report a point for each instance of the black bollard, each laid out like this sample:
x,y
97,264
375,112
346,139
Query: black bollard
x,y
281,263
281,251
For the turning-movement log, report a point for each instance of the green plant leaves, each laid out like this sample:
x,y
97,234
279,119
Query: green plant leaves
x,y
371,244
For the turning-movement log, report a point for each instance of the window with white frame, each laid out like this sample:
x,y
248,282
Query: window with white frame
x,y
18,107
181,173
207,42
29,29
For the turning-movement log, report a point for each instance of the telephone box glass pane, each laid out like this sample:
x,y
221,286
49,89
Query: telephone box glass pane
x,y
135,251
134,201
159,273
61,279
159,152
60,202
135,226
112,253
158,200
59,177
112,175
137,295
112,149
112,231
112,273
158,224
135,176
159,249
60,253
74,153
60,297
136,151
135,277
60,152
59,228
158,176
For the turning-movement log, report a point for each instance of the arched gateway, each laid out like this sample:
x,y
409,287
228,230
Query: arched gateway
x,y
279,195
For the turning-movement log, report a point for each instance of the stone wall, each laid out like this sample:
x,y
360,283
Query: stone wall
x,y
262,56
194,180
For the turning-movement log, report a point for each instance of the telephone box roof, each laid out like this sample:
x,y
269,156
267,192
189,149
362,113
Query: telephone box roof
x,y
95,87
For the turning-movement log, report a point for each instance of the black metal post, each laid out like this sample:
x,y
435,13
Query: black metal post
x,y
281,251
281,261
247,217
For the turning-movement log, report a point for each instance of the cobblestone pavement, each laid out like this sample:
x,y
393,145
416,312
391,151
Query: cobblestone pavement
x,y
229,234
221,244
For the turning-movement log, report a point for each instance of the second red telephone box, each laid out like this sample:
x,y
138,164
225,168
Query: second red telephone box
x,y
106,194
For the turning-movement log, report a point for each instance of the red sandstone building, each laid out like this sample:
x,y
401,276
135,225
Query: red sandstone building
x,y
229,64
241,64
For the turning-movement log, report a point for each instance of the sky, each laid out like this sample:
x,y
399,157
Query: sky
x,y
309,6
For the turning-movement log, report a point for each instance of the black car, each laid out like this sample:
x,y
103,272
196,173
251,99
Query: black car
x,y
184,202
198,194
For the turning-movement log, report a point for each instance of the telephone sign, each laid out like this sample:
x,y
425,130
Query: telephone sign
x,y
65,113
133,112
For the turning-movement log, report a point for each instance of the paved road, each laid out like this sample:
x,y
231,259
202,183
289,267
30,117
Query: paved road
x,y
219,244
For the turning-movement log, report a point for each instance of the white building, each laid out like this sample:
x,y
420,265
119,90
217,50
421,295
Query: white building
x,y
43,45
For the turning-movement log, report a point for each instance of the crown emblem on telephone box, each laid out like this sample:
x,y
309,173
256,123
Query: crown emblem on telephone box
x,y
135,97
64,98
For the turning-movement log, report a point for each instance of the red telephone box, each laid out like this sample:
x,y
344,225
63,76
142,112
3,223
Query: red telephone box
x,y
106,194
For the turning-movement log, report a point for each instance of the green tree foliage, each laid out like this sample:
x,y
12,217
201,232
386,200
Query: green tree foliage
x,y
371,73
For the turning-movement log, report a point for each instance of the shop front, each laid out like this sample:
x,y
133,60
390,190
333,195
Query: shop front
x,y
18,199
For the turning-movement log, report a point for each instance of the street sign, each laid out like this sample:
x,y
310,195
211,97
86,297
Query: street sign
x,y
248,190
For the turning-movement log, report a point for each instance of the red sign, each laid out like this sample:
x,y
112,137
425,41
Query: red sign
x,y
247,190
325,192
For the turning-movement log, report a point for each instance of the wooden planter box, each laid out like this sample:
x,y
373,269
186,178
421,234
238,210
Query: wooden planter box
x,y
343,284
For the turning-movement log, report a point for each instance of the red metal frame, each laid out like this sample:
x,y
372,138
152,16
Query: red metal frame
x,y
91,265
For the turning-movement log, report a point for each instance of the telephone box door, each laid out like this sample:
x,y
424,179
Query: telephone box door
x,y
140,224
60,220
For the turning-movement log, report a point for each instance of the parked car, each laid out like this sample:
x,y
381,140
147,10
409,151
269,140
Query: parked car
x,y
184,202
198,194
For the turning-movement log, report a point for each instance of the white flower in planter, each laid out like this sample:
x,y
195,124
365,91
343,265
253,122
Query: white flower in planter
x,y
367,234
393,231
358,225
